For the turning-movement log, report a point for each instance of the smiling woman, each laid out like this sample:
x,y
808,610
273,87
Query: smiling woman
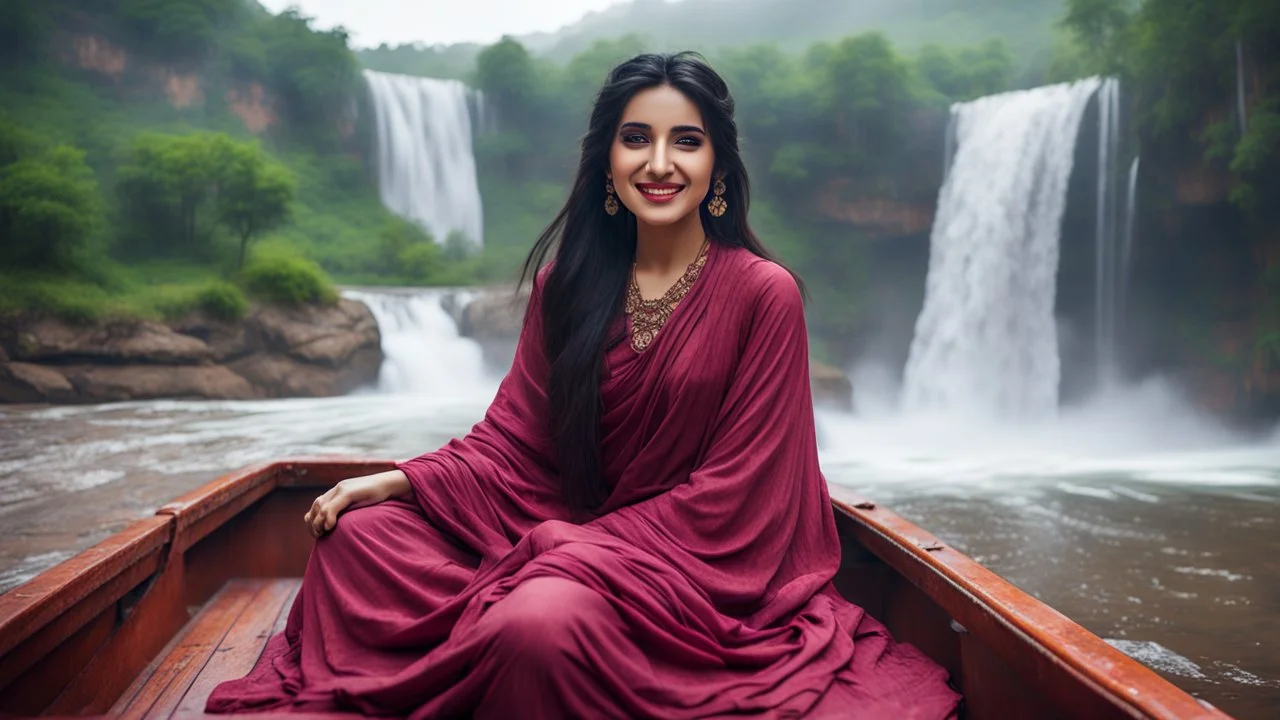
x,y
635,529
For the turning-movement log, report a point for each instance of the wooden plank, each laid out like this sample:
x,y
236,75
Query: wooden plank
x,y
54,625
159,689
1068,665
239,651
36,603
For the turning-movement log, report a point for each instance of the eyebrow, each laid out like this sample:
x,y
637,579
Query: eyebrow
x,y
678,128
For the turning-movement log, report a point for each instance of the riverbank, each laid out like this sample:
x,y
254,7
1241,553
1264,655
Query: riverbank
x,y
273,351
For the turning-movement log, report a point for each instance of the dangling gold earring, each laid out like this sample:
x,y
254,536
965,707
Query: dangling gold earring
x,y
610,200
717,206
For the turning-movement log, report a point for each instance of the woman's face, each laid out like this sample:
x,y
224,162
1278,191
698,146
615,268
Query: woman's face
x,y
661,161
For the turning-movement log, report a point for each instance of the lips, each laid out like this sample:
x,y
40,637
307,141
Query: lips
x,y
659,192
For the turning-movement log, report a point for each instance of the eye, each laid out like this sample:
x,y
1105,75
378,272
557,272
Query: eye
x,y
634,138
689,142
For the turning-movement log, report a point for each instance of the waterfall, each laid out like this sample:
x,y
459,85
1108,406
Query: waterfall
x,y
1126,250
426,169
1106,247
985,340
424,353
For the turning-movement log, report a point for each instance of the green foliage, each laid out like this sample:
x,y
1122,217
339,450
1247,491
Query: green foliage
x,y
286,279
966,73
49,206
314,74
445,61
222,300
1181,58
24,29
505,73
253,194
184,31
177,188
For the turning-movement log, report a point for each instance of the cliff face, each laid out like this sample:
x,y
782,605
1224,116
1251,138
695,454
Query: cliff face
x,y
273,352
95,54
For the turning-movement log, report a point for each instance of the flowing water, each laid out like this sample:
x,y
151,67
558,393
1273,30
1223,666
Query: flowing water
x,y
986,341
426,169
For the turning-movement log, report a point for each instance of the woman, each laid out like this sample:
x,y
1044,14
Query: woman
x,y
638,527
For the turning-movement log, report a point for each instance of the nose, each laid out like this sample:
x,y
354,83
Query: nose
x,y
659,160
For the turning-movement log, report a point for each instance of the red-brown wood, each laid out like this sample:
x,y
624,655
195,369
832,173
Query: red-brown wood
x,y
243,645
158,691
55,624
1082,675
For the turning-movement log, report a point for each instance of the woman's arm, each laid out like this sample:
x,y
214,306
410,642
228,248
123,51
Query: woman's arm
x,y
491,484
352,493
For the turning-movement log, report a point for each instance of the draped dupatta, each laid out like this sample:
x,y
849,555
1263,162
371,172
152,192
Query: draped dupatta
x,y
715,548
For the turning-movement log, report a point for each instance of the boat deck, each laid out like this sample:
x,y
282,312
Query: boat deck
x,y
222,642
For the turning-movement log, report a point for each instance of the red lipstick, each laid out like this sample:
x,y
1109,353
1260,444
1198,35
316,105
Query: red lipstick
x,y
659,192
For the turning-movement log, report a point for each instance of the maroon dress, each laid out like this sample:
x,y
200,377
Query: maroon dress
x,y
702,590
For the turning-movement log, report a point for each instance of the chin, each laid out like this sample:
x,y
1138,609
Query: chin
x,y
665,216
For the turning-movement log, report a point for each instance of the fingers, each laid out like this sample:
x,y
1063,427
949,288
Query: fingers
x,y
323,515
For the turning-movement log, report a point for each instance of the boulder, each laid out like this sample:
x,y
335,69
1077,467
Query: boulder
x,y
111,383
54,341
227,340
494,320
28,383
831,388
276,375
328,335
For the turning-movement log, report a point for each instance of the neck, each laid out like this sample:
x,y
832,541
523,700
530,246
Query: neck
x,y
662,249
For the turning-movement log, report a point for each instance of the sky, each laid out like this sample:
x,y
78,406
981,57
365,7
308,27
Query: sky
x,y
373,22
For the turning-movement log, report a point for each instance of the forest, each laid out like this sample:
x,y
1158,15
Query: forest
x,y
163,155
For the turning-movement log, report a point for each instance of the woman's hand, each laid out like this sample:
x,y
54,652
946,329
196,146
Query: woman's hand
x,y
353,493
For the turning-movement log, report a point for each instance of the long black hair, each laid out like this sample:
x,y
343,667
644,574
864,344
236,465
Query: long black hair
x,y
584,290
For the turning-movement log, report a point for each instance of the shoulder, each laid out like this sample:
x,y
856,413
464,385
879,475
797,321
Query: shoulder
x,y
763,284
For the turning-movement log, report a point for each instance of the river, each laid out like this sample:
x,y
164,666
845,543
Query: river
x,y
1155,529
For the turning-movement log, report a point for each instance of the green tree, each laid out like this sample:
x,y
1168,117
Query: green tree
x,y
314,73
176,30
506,74
253,193
165,186
49,207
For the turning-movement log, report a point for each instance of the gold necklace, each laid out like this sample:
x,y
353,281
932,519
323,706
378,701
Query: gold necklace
x,y
648,316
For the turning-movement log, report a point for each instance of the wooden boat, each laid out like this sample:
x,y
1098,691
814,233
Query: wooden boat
x,y
147,622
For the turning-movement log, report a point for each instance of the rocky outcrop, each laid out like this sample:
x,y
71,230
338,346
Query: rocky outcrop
x,y
831,387
493,320
877,216
272,352
59,343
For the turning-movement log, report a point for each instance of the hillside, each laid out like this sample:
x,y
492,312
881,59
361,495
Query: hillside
x,y
1026,26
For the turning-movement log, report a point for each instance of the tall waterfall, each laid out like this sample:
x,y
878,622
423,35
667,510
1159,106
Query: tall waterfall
x,y
985,341
424,353
1106,248
426,169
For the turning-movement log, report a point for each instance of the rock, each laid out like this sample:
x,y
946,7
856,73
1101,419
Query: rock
x,y
277,375
842,201
328,336
27,383
227,340
108,383
494,320
831,388
48,340
273,352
